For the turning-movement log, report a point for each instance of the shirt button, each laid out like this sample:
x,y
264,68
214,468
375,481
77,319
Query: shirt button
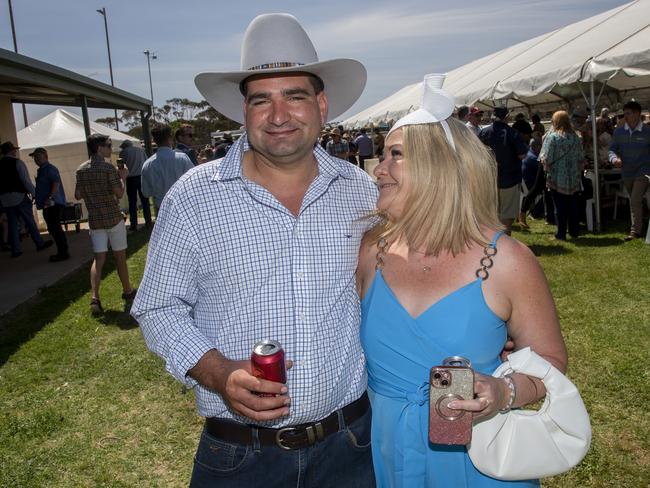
x,y
301,275
302,316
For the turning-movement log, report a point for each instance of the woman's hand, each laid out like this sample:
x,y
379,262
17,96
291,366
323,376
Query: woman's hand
x,y
490,395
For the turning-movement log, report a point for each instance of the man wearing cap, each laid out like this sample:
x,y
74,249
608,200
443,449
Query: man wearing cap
x,y
16,191
474,120
509,150
263,244
134,157
50,197
630,151
338,147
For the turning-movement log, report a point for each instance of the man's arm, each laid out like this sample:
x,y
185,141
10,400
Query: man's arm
x,y
118,181
614,151
23,174
164,308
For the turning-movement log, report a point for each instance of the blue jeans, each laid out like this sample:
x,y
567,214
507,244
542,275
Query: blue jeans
x,y
24,211
133,190
342,460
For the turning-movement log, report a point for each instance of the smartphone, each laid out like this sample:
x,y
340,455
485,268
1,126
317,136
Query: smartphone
x,y
448,383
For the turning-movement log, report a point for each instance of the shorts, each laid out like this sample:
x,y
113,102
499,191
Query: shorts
x,y
509,201
116,236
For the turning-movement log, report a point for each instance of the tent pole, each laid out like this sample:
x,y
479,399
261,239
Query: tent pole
x,y
594,145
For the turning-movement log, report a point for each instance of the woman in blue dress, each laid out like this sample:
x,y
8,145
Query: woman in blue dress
x,y
437,279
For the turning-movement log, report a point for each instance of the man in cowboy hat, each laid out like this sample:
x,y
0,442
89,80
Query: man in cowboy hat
x,y
263,244
338,147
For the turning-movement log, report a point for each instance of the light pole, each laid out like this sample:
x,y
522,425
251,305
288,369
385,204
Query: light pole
x,y
150,55
102,12
13,34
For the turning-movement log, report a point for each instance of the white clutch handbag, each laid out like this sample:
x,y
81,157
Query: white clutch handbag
x,y
529,444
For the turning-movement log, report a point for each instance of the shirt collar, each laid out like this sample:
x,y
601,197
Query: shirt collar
x,y
638,128
230,166
96,158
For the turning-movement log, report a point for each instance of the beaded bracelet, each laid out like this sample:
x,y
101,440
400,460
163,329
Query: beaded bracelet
x,y
513,393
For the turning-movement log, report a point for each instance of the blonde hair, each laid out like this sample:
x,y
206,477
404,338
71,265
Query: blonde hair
x,y
451,194
562,122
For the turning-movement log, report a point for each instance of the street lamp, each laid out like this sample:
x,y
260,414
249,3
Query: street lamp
x,y
102,12
150,55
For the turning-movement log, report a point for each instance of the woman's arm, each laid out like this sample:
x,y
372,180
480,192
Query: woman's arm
x,y
519,291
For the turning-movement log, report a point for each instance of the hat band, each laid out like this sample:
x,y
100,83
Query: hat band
x,y
279,64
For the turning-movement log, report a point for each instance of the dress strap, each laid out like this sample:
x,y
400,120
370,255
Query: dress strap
x,y
381,248
495,239
486,262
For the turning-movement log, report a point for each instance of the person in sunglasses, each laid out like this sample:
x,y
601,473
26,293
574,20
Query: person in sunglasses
x,y
184,136
101,185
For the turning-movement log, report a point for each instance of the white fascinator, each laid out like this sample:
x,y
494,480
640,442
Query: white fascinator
x,y
436,107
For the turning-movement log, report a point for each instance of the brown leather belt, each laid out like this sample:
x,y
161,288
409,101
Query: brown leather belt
x,y
289,438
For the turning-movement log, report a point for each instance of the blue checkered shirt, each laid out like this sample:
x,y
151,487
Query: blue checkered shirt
x,y
228,266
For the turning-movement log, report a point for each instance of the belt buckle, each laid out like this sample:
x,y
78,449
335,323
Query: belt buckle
x,y
314,432
278,438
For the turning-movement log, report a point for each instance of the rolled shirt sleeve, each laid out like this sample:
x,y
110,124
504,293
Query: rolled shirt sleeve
x,y
168,293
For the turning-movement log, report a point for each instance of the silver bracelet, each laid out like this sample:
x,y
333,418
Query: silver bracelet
x,y
513,393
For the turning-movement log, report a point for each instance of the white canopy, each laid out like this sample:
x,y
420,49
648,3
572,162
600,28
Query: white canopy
x,y
63,135
611,49
61,127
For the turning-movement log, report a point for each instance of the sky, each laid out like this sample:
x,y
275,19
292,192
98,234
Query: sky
x,y
398,42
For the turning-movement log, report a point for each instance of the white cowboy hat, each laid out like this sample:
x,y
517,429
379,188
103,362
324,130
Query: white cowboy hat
x,y
277,43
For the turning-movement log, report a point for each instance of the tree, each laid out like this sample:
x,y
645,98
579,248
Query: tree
x,y
175,112
108,121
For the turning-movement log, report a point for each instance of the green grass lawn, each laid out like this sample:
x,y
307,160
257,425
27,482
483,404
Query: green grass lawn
x,y
85,404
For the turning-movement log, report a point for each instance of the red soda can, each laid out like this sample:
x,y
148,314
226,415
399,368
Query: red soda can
x,y
267,361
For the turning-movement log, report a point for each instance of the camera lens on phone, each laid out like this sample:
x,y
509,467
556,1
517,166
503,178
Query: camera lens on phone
x,y
444,382
436,375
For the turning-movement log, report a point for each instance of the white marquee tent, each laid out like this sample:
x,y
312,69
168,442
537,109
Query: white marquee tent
x,y
62,134
603,58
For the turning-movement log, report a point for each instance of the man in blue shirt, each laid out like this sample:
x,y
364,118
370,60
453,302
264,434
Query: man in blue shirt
x,y
364,143
164,168
509,149
50,197
263,244
184,136
16,191
630,151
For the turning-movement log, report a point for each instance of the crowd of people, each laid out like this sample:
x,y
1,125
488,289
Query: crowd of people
x,y
533,162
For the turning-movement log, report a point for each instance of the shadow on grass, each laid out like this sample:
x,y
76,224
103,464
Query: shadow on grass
x,y
593,241
23,322
548,249
118,318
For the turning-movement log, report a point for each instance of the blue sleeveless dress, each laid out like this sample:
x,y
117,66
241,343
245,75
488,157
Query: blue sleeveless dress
x,y
400,351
